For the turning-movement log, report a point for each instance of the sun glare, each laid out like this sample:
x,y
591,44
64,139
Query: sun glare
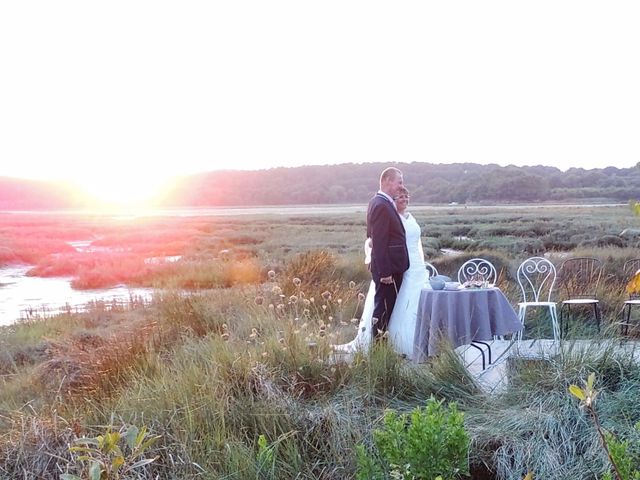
x,y
123,191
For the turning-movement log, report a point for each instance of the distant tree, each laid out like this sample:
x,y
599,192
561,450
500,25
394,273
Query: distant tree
x,y
355,183
510,184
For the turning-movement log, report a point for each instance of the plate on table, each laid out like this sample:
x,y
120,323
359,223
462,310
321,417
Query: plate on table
x,y
452,286
477,285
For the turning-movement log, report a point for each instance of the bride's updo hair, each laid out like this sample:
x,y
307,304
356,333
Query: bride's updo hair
x,y
401,191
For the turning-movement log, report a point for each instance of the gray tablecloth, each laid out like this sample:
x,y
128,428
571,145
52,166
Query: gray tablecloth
x,y
461,316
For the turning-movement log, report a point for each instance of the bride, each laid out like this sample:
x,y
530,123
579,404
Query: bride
x,y
403,318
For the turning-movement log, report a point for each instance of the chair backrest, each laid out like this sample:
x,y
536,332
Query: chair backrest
x,y
432,271
536,277
580,276
477,269
629,269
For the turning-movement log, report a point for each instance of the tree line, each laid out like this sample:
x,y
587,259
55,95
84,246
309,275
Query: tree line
x,y
428,183
352,183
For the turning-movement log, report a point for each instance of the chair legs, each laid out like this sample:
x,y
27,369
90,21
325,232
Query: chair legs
x,y
564,317
554,322
626,314
627,319
596,311
480,348
522,312
553,313
473,344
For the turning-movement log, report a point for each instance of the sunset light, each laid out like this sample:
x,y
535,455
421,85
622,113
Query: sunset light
x,y
185,192
258,85
121,190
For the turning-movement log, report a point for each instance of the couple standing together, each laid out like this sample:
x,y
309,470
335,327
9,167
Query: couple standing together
x,y
397,267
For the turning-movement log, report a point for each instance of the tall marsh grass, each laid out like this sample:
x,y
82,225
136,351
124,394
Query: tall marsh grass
x,y
211,374
231,363
536,426
219,371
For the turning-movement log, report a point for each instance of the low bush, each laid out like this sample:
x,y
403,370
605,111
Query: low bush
x,y
113,455
314,268
7,256
426,444
72,364
610,241
512,245
431,243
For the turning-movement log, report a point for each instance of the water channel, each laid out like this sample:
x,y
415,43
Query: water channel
x,y
24,297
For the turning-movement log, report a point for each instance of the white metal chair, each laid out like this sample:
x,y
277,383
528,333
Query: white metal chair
x,y
579,279
630,268
537,277
432,271
477,269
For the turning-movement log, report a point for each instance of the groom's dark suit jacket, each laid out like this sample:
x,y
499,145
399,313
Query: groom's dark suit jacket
x,y
389,255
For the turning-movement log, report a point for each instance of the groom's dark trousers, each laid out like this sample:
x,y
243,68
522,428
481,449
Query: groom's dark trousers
x,y
389,257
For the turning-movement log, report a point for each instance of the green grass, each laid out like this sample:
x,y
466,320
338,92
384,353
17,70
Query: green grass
x,y
536,426
217,371
228,353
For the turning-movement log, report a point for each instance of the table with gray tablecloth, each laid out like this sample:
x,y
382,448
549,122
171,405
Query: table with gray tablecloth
x,y
461,316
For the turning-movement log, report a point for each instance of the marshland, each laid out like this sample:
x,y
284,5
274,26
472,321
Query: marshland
x,y
228,367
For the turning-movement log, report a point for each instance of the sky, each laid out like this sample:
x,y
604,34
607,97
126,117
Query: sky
x,y
131,93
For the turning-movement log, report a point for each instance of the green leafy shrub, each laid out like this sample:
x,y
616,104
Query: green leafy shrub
x,y
428,442
626,457
106,459
265,457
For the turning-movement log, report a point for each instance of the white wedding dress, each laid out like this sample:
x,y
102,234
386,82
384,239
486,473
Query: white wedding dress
x,y
403,318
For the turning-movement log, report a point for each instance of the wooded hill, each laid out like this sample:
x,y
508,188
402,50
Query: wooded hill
x,y
428,183
355,183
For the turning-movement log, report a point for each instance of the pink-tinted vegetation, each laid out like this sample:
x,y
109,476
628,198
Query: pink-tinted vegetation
x,y
129,251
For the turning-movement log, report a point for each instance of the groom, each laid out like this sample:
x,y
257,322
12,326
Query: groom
x,y
389,256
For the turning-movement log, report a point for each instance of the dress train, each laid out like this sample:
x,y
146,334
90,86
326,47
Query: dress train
x,y
403,318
